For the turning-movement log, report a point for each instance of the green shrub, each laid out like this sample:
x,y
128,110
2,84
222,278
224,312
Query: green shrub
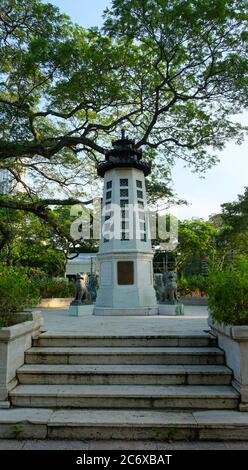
x,y
196,284
183,286
17,292
49,288
228,294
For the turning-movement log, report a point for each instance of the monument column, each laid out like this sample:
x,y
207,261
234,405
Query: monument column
x,y
125,255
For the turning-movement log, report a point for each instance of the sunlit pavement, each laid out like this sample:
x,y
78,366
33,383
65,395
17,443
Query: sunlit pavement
x,y
193,321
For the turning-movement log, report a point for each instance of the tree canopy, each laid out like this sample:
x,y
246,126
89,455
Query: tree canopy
x,y
233,234
172,72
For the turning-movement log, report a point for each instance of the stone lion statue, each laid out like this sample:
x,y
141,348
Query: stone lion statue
x,y
159,286
81,292
170,279
92,286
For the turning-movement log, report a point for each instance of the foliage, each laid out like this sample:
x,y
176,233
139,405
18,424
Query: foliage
x,y
195,237
232,230
183,286
215,243
27,241
173,73
196,247
193,285
228,293
186,46
17,292
235,214
50,288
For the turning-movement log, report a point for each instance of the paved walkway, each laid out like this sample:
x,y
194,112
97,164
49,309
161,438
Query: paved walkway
x,y
119,445
193,321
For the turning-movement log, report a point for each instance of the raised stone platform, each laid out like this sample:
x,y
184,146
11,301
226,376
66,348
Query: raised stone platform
x,y
133,312
171,309
194,321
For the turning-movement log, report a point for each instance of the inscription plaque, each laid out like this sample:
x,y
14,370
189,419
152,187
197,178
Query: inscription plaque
x,y
125,273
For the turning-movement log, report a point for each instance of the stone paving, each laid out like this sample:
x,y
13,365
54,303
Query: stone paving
x,y
193,321
119,445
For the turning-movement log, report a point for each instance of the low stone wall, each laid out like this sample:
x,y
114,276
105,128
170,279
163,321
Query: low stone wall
x,y
14,341
201,301
234,341
55,303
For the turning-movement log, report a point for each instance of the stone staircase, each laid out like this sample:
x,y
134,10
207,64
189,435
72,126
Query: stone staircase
x,y
125,387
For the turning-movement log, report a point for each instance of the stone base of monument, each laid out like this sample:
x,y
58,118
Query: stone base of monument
x,y
76,308
171,309
137,311
73,310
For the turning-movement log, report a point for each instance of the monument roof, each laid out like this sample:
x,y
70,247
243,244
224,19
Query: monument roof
x,y
124,154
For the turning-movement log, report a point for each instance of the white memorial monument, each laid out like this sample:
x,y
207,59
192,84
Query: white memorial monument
x,y
125,255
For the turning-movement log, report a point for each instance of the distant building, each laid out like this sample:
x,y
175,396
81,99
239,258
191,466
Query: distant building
x,y
8,183
83,263
5,182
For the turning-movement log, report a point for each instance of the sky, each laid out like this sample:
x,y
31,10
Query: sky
x,y
222,183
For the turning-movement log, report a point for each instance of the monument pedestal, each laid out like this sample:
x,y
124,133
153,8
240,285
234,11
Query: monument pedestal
x,y
171,309
73,310
126,284
76,309
141,311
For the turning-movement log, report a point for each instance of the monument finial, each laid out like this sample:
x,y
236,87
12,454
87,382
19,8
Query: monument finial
x,y
123,134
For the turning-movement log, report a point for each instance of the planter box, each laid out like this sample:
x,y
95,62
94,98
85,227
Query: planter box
x,y
234,341
55,302
14,341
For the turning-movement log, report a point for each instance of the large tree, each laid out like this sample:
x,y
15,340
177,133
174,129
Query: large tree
x,y
232,239
26,241
172,72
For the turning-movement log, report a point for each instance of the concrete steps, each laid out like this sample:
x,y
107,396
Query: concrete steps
x,y
124,355
125,396
32,423
72,340
117,374
124,387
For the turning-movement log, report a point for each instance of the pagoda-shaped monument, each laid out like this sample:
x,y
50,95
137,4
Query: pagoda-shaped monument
x,y
125,255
